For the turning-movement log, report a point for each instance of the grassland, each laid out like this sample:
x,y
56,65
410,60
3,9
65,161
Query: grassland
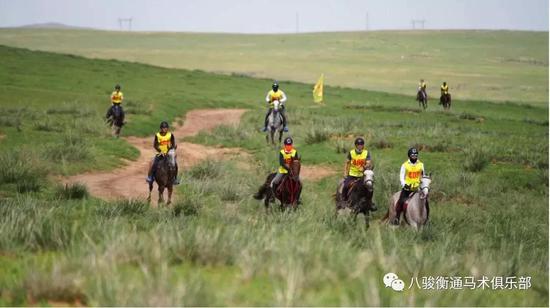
x,y
217,246
488,65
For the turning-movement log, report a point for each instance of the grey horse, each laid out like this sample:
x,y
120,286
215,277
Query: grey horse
x,y
274,123
417,210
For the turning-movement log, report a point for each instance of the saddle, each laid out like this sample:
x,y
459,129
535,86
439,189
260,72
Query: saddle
x,y
350,187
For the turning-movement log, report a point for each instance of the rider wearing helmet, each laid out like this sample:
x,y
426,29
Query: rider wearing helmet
x,y
275,95
163,142
358,160
116,99
286,155
444,88
410,175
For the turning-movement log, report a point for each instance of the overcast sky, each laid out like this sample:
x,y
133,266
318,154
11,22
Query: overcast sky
x,y
282,16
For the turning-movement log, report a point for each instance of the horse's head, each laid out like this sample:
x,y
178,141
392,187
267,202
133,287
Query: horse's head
x,y
368,179
295,166
425,186
276,106
171,156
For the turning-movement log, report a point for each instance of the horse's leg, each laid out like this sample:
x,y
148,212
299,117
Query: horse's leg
x,y
150,189
161,193
170,189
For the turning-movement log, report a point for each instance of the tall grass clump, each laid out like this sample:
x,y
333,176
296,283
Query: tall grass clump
x,y
23,169
73,147
206,170
124,208
316,135
476,159
72,191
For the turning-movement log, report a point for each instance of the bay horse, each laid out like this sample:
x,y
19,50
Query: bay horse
x,y
164,176
445,100
287,192
359,199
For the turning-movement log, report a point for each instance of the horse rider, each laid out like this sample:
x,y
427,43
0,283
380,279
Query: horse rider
x,y
286,155
116,99
358,160
163,142
410,175
444,89
275,95
422,88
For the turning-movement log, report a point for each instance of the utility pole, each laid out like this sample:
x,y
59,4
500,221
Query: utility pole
x,y
122,21
418,21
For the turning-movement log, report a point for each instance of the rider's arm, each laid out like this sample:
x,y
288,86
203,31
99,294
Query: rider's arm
x,y
283,97
402,175
156,144
268,98
173,144
282,162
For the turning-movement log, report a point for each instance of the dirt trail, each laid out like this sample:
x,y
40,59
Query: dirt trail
x,y
128,182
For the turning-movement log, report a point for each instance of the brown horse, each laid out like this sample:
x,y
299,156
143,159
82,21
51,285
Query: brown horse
x,y
115,118
287,192
359,198
164,176
445,100
416,210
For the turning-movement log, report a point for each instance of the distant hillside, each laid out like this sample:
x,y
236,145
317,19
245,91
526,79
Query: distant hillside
x,y
485,65
51,25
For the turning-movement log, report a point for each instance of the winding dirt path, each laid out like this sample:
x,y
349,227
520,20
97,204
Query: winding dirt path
x,y
128,182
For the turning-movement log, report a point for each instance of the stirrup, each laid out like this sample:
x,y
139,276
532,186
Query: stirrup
x,y
285,129
176,181
264,129
149,179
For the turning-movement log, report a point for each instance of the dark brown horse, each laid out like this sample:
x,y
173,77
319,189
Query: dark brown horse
x,y
445,100
287,192
164,176
359,198
115,118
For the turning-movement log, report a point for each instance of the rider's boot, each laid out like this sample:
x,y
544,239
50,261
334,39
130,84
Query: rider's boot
x,y
285,128
398,209
176,180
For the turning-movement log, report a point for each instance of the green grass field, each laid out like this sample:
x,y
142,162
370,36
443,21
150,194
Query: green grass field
x,y
217,246
487,65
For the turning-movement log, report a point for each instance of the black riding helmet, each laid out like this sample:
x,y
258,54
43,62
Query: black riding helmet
x,y
359,141
412,151
288,141
117,87
275,86
164,124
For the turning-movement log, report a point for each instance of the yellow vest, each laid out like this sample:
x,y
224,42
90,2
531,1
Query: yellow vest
x,y
164,142
422,85
413,174
444,89
116,98
274,96
288,159
357,163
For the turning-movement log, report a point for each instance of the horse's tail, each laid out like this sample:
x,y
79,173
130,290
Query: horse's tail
x,y
385,218
261,192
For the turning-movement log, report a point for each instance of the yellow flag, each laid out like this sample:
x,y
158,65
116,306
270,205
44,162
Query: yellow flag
x,y
318,90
